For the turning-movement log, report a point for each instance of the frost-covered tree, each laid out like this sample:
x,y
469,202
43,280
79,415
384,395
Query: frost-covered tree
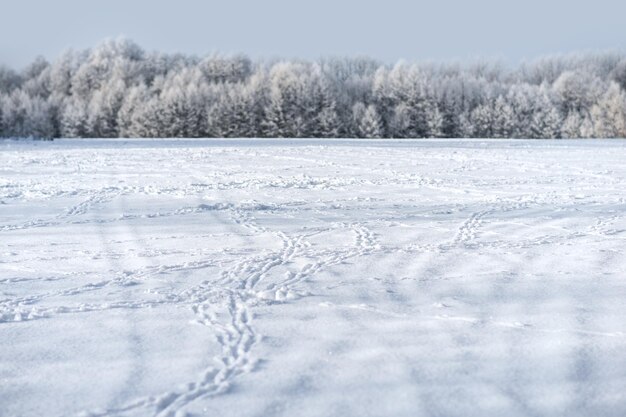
x,y
367,121
9,80
571,125
434,121
130,110
2,98
219,69
287,107
101,64
117,89
182,105
577,90
25,116
404,90
322,107
74,119
546,120
504,122
618,74
609,113
450,113
232,113
587,127
146,121
103,109
481,121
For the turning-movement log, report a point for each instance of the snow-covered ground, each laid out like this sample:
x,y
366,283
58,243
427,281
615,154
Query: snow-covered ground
x,y
312,278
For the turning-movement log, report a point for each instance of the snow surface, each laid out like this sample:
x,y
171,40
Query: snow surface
x,y
312,278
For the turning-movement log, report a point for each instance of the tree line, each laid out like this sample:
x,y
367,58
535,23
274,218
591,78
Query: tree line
x,y
119,90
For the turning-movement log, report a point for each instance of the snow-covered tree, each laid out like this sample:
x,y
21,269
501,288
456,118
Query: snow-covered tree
x,y
546,123
503,119
25,116
287,107
609,113
571,125
367,121
587,127
2,98
482,121
9,80
218,69
130,110
117,89
232,113
577,90
103,109
74,119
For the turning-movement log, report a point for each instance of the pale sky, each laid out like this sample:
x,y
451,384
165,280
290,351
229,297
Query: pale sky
x,y
439,30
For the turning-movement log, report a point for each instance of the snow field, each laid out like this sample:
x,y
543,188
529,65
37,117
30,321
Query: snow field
x,y
312,278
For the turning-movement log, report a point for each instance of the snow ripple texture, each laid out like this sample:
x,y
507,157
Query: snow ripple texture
x,y
177,278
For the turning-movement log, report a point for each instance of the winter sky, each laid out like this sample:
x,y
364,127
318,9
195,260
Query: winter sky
x,y
446,30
